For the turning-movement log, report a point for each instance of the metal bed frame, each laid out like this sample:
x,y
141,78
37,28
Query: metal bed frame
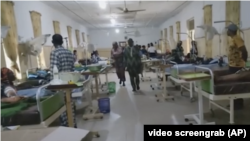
x,y
182,84
212,98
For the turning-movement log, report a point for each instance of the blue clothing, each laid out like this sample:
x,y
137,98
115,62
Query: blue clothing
x,y
141,53
144,51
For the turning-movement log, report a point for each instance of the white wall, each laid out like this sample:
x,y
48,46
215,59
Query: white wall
x,y
195,10
24,25
104,39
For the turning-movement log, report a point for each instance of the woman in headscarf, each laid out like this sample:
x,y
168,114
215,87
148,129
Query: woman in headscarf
x,y
117,55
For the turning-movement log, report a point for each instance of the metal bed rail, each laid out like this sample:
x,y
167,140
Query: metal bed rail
x,y
210,72
38,95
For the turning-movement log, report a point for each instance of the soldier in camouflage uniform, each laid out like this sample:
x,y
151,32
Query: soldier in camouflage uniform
x,y
133,64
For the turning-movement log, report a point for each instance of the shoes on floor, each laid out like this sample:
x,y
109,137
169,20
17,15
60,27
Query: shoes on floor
x,y
138,87
120,82
134,89
123,84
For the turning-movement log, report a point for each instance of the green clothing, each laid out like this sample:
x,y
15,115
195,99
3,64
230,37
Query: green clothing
x,y
10,109
132,60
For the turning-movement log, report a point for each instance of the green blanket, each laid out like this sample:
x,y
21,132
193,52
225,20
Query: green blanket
x,y
10,109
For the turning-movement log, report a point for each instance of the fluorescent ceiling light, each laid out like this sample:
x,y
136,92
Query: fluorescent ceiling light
x,y
102,4
117,30
112,21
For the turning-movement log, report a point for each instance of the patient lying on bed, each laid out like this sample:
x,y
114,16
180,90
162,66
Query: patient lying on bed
x,y
241,76
8,94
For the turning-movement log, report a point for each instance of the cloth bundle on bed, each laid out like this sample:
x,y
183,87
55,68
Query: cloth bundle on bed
x,y
32,92
39,74
30,87
22,113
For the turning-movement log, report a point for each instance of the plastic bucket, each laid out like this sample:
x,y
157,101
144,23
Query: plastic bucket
x,y
111,87
104,105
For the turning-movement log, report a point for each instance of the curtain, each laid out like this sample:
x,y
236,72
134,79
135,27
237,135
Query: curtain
x,y
166,43
77,37
69,29
11,40
232,14
37,31
171,32
208,19
83,37
56,25
178,30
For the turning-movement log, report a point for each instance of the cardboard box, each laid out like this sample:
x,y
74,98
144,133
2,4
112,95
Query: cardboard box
x,y
48,134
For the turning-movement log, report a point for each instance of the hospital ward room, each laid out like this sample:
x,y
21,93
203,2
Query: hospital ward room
x,y
102,70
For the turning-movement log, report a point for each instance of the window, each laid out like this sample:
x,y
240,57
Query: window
x,y
191,33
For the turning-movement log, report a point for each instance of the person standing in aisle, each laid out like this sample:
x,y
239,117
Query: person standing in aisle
x,y
237,57
144,51
133,64
64,60
152,51
117,55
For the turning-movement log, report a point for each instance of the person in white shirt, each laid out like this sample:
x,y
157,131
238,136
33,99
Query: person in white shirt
x,y
152,51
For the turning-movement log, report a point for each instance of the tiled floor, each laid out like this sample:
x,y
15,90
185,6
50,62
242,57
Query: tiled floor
x,y
130,111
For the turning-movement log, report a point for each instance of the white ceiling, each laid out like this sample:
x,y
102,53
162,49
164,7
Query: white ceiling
x,y
92,16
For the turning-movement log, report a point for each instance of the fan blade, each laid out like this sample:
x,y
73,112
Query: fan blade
x,y
137,10
120,8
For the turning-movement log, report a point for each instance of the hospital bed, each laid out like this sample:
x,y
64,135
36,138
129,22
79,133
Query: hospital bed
x,y
222,91
44,109
179,69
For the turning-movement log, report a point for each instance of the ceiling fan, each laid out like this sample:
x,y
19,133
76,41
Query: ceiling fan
x,y
125,9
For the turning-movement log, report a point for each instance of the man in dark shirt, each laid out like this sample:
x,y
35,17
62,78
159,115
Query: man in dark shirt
x,y
133,63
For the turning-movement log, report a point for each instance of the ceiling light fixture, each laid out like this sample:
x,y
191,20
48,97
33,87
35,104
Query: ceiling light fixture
x,y
112,21
117,30
102,4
